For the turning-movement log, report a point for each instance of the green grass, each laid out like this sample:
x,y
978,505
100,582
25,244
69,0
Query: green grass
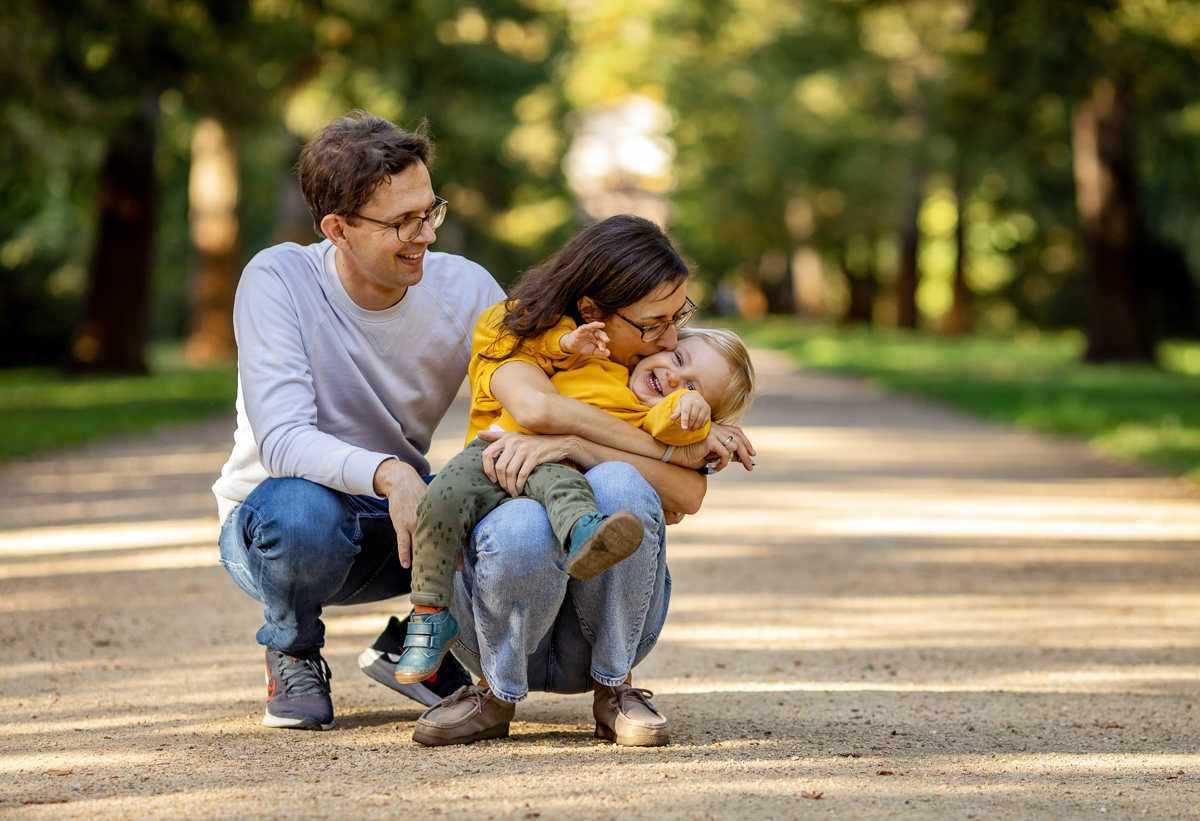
x,y
40,408
1034,381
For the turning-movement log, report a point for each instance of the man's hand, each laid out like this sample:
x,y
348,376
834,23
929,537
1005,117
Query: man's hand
x,y
588,340
404,489
691,411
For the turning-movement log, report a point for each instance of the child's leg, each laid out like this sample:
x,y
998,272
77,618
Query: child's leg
x,y
457,499
594,542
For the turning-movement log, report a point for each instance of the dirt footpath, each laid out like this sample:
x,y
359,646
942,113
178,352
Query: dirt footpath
x,y
900,614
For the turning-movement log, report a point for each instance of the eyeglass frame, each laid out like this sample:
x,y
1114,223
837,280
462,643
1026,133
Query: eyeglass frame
x,y
679,321
438,202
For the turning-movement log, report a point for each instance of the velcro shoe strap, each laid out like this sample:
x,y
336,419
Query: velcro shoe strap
x,y
420,641
416,628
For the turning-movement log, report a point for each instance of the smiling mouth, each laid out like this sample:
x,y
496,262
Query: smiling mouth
x,y
415,256
654,384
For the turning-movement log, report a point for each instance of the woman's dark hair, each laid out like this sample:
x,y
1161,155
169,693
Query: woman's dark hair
x,y
616,262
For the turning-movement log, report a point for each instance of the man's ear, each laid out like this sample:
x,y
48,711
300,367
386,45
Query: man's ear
x,y
588,309
333,226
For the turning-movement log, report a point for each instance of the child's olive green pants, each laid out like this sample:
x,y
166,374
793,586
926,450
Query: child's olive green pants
x,y
461,495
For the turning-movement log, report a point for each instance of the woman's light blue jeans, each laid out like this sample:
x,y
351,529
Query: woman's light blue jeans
x,y
525,624
299,547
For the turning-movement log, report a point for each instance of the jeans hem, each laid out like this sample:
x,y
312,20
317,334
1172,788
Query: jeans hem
x,y
609,682
511,699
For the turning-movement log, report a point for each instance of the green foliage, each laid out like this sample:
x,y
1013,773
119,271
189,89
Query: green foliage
x,y
1034,382
40,409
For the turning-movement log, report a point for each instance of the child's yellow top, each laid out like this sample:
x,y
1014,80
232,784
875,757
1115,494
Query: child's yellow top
x,y
591,379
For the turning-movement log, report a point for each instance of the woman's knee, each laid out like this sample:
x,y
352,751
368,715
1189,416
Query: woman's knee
x,y
618,486
516,541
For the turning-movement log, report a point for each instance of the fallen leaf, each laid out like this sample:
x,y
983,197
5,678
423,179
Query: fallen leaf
x,y
884,772
1109,725
58,772
809,794
44,801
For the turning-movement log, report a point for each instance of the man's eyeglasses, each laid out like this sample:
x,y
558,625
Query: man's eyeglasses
x,y
408,230
653,332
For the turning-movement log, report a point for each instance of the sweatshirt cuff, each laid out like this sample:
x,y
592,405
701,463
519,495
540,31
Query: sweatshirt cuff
x,y
358,472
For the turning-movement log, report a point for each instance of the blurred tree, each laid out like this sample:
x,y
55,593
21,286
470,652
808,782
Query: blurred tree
x,y
1124,68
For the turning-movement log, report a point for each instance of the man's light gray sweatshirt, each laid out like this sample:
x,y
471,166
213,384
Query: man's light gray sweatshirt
x,y
326,389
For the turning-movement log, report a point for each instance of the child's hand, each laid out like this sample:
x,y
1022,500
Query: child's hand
x,y
588,340
692,411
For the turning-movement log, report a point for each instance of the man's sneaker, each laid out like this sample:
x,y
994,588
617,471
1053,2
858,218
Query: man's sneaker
x,y
380,659
298,691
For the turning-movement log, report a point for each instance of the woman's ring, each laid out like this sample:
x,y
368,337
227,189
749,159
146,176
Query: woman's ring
x,y
727,441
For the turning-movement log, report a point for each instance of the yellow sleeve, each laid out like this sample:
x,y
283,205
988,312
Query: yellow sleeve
x,y
488,344
658,423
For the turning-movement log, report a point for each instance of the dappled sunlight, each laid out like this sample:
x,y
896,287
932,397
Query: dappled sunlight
x,y
79,538
1151,678
779,511
1099,618
143,560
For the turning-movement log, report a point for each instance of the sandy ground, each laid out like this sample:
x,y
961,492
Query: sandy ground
x,y
900,613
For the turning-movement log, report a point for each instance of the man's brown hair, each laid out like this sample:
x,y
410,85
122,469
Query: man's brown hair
x,y
344,162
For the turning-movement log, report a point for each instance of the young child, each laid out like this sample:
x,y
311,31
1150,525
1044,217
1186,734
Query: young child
x,y
673,395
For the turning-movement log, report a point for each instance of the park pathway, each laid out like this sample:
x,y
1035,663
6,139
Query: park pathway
x,y
901,613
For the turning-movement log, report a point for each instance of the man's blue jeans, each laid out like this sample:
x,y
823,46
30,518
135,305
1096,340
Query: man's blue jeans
x,y
298,547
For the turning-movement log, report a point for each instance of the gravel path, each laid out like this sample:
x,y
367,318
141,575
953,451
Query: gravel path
x,y
900,613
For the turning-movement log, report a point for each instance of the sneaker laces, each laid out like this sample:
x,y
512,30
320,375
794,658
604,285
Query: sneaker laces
x,y
304,675
639,694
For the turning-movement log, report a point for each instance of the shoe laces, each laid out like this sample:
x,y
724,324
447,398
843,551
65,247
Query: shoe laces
x,y
468,692
639,694
304,675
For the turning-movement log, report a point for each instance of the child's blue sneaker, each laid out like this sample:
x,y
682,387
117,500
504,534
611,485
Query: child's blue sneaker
x,y
598,542
430,636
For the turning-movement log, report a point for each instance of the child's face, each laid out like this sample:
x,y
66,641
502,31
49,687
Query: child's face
x,y
694,364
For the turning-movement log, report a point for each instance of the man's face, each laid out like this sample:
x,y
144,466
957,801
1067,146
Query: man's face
x,y
376,267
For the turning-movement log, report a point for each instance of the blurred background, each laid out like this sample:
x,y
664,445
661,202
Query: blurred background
x,y
937,190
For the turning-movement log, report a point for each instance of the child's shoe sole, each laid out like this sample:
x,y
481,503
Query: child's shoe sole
x,y
618,538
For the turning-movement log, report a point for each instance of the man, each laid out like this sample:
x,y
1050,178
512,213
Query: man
x,y
350,351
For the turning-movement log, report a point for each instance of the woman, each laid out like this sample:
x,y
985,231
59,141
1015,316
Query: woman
x,y
523,622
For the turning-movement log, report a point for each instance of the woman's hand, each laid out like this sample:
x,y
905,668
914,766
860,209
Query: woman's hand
x,y
724,442
511,457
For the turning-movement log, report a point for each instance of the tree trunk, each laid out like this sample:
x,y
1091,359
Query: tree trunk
x,y
112,335
958,319
213,200
861,307
910,247
1105,193
808,283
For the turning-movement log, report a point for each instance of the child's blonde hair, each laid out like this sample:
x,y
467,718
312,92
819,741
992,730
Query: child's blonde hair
x,y
739,393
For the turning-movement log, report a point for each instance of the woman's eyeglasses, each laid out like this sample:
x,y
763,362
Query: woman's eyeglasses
x,y
653,332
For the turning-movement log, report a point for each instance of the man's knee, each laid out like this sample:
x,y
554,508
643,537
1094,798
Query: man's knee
x,y
298,522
